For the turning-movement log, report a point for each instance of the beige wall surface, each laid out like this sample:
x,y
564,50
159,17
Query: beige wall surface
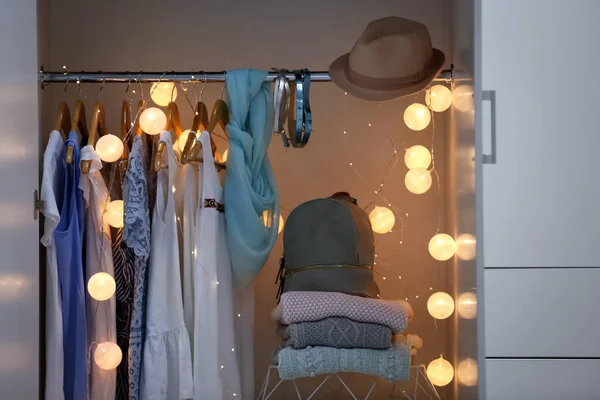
x,y
195,35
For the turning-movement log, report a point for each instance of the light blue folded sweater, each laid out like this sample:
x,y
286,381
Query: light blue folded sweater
x,y
390,364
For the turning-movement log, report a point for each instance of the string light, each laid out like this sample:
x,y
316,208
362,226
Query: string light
x,y
440,372
153,120
442,247
114,213
440,305
109,148
101,286
266,219
162,93
418,180
466,247
467,305
417,157
438,98
417,117
467,372
108,355
224,156
382,219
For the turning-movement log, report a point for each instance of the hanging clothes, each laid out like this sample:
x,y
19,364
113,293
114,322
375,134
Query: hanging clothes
x,y
68,238
101,321
52,189
192,192
136,234
167,365
250,187
216,370
124,263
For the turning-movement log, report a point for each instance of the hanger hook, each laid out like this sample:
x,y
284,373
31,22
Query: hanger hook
x,y
128,84
139,80
203,87
174,85
224,85
79,86
66,86
101,87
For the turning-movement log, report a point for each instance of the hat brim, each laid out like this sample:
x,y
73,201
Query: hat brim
x,y
337,72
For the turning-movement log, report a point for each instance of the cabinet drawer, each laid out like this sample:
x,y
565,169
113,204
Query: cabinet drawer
x,y
542,379
542,313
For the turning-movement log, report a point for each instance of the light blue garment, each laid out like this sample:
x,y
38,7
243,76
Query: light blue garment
x,y
68,238
250,187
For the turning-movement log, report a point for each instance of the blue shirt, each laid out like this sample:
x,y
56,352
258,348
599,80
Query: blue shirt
x,y
68,238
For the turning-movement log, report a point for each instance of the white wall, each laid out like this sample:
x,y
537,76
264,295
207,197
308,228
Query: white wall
x,y
220,35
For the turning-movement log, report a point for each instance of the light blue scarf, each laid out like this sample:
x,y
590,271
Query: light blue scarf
x,y
250,187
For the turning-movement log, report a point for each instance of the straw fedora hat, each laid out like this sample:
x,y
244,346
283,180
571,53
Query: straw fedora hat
x,y
392,58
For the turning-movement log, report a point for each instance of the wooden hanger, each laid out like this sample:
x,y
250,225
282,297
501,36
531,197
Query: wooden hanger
x,y
173,123
220,116
199,124
98,125
125,127
78,124
63,120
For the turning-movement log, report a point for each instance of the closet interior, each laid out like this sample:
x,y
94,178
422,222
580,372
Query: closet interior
x,y
364,148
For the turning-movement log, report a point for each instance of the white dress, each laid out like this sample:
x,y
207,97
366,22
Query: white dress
x,y
190,209
54,330
101,315
167,365
216,370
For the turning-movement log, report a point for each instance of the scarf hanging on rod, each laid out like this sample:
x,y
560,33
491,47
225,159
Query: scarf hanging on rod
x,y
250,187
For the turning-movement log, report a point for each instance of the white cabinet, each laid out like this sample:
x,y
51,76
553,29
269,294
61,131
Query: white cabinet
x,y
542,313
542,197
542,379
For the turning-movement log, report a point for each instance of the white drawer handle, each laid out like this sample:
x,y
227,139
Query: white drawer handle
x,y
490,95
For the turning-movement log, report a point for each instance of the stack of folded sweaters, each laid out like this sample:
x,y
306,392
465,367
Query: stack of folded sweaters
x,y
329,332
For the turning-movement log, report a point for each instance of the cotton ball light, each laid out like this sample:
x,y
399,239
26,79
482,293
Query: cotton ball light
x,y
101,286
463,98
439,98
442,247
108,355
153,120
382,219
114,213
440,372
467,372
225,155
266,218
183,138
440,305
109,148
162,93
466,246
417,180
466,305
417,157
417,116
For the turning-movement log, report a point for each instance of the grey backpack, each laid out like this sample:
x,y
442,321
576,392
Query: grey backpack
x,y
329,247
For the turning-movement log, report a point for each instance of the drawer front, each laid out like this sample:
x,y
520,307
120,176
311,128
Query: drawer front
x,y
542,313
542,379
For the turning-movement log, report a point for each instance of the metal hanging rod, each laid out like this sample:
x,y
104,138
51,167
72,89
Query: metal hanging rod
x,y
146,77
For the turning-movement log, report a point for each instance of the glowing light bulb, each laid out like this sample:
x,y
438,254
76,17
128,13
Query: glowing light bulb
x,y
184,137
467,372
109,148
382,219
440,372
417,117
466,305
440,305
162,93
225,155
466,247
417,157
463,98
101,286
439,98
114,213
442,247
418,180
266,218
153,120
108,355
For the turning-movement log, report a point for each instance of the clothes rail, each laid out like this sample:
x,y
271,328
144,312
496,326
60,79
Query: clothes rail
x,y
200,76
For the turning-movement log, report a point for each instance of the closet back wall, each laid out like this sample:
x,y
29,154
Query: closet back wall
x,y
219,35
